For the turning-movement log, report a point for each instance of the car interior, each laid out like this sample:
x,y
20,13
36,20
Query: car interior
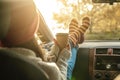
x,y
96,59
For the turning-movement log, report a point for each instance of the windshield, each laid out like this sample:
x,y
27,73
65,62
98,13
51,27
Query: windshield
x,y
105,18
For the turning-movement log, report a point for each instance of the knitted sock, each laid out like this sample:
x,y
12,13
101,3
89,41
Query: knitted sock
x,y
85,25
76,32
73,31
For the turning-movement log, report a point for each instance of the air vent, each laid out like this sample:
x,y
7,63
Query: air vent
x,y
101,50
116,51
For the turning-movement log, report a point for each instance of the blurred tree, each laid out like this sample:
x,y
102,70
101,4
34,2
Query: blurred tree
x,y
72,8
104,17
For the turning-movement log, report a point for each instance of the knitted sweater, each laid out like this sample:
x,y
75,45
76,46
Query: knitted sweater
x,y
56,70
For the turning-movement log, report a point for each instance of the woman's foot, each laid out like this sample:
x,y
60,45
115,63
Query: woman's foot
x,y
76,31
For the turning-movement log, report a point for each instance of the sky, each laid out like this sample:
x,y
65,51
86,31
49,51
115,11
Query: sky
x,y
47,9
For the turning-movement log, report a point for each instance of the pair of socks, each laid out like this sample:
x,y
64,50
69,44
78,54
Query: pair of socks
x,y
77,31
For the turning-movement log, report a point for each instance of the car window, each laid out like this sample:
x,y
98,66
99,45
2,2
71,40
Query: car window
x,y
105,18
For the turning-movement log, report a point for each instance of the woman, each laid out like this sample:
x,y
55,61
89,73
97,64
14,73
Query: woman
x,y
19,22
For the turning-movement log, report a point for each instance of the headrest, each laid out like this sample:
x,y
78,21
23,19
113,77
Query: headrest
x,y
18,20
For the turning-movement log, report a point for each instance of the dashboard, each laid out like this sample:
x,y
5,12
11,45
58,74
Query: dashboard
x,y
97,60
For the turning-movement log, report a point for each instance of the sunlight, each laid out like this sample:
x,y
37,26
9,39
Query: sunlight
x,y
73,2
47,9
89,6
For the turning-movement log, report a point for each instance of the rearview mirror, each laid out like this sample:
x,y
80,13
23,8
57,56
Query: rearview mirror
x,y
105,1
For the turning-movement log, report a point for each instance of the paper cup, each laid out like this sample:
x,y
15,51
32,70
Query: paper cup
x,y
62,40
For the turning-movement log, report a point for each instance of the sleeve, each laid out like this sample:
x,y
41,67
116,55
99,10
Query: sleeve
x,y
64,55
50,68
60,58
53,54
57,63
58,68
